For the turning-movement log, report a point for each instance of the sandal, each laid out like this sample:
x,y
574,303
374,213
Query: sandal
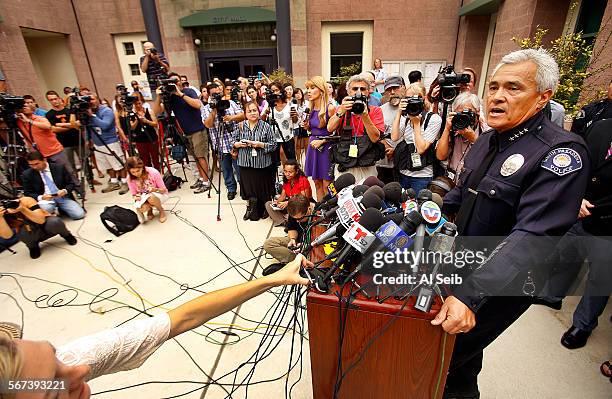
x,y
163,218
150,215
606,369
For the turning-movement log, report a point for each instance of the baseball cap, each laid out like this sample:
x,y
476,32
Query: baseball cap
x,y
394,81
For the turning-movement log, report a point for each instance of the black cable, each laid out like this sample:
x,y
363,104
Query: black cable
x,y
20,310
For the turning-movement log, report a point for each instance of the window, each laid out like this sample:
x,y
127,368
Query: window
x,y
128,48
134,69
345,49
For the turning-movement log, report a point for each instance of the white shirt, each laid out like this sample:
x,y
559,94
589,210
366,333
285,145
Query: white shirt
x,y
430,135
119,349
283,119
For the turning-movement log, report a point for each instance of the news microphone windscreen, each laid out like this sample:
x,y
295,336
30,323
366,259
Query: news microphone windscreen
x,y
424,195
377,191
371,200
411,193
344,180
395,218
405,197
415,217
359,190
393,192
371,219
373,181
437,198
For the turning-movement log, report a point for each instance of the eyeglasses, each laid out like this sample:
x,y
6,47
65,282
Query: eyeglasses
x,y
363,89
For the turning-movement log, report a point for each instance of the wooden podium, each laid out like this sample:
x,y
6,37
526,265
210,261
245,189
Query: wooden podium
x,y
409,360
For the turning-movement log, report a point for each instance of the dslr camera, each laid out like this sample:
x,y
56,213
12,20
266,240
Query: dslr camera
x,y
464,119
9,106
450,82
360,102
415,106
9,203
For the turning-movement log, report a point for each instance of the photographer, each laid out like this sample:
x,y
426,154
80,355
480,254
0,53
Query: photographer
x,y
282,248
154,64
144,134
358,149
51,185
282,120
185,85
221,133
185,105
463,126
32,224
419,128
394,91
105,139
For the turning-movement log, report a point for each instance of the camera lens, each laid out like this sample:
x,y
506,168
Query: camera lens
x,y
358,105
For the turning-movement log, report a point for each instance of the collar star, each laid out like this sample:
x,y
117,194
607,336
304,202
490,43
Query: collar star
x,y
518,134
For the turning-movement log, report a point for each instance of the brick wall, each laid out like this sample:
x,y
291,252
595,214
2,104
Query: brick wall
x,y
472,42
605,53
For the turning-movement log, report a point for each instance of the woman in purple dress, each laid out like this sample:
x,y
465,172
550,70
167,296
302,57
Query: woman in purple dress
x,y
318,165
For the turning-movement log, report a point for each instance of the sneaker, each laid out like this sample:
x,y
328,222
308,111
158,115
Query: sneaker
x,y
70,239
231,195
202,189
111,187
195,185
35,252
124,189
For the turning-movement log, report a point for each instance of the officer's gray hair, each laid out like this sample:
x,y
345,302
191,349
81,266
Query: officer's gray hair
x,y
547,74
362,77
466,98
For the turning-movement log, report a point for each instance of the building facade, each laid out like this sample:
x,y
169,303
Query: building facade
x,y
98,43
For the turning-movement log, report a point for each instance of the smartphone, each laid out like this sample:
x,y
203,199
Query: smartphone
x,y
259,75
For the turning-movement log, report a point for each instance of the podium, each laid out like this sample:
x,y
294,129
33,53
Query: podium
x,y
409,360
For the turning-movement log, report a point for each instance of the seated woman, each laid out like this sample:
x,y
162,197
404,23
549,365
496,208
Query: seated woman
x,y
147,188
294,182
255,143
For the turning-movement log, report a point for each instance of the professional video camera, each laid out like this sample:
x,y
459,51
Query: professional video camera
x,y
464,119
217,102
450,82
168,86
272,98
414,107
79,104
234,95
126,100
9,106
9,203
360,102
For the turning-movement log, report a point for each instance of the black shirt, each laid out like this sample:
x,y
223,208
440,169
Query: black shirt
x,y
69,138
590,113
144,133
294,224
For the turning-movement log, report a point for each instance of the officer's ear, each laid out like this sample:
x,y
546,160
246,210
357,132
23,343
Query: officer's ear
x,y
544,98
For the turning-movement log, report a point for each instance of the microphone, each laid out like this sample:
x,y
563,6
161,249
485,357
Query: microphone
x,y
340,183
424,195
358,239
411,193
377,190
373,181
355,193
392,193
371,200
411,221
335,231
359,190
394,217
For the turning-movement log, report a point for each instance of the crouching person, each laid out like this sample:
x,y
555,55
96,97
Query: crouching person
x,y
281,247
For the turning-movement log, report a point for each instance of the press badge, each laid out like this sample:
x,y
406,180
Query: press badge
x,y
416,160
254,152
353,151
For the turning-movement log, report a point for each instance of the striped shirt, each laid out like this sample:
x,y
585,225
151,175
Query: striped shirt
x,y
229,130
262,132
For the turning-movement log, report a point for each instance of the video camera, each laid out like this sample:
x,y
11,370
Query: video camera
x,y
126,100
234,95
9,106
79,104
360,102
168,86
272,98
464,119
414,107
9,203
217,102
450,82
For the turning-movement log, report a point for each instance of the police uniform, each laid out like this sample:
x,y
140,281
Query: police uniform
x,y
533,187
590,113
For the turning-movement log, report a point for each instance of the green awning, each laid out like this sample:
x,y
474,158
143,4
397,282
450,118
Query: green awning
x,y
228,15
479,7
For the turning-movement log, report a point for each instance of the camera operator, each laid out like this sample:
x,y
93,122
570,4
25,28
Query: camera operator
x,y
281,111
39,135
51,185
105,139
419,128
37,110
154,64
358,149
32,224
185,105
144,132
222,132
185,84
463,126
469,87
394,90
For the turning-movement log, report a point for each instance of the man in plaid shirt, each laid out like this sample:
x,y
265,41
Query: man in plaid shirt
x,y
221,136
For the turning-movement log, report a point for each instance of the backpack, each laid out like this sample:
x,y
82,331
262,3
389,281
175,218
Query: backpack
x,y
119,220
172,182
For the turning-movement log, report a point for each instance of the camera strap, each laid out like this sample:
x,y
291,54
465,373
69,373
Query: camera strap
x,y
30,139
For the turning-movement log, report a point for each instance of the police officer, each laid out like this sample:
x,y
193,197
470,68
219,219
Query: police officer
x,y
524,178
592,112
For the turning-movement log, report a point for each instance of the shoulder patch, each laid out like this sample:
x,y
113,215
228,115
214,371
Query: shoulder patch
x,y
562,161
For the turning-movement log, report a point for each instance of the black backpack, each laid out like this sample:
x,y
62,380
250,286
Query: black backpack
x,y
119,220
172,182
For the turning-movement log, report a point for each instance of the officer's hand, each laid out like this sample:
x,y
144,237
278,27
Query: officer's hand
x,y
584,209
455,317
347,104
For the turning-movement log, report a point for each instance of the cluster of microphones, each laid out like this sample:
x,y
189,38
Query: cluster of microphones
x,y
373,217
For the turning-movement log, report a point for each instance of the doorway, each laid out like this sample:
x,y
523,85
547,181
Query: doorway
x,y
233,63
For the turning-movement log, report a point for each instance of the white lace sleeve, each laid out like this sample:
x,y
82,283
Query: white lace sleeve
x,y
119,349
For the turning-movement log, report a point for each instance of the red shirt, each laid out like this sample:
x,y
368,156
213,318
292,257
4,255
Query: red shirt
x,y
376,116
302,184
45,140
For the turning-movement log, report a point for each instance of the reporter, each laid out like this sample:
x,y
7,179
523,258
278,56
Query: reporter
x,y
301,135
294,183
146,184
281,111
130,345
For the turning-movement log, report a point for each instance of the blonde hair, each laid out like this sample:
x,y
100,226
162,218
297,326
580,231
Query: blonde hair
x,y
419,89
320,83
11,361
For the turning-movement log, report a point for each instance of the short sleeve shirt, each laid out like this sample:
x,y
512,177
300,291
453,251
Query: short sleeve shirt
x,y
188,117
69,138
301,185
430,135
376,116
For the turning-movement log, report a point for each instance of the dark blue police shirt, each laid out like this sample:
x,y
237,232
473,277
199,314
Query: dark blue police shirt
x,y
187,116
534,186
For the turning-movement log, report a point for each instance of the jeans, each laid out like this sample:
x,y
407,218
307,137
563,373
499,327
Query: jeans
x,y
62,159
228,167
416,183
68,206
